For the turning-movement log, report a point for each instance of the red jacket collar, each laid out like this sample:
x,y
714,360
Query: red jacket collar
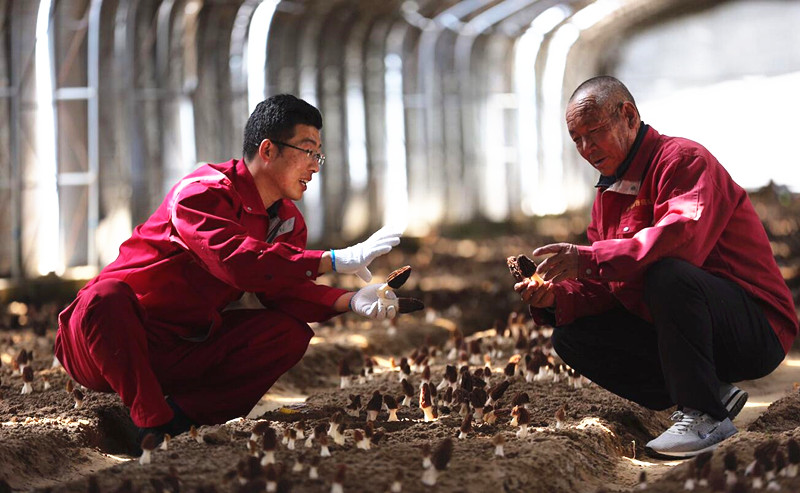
x,y
243,181
631,181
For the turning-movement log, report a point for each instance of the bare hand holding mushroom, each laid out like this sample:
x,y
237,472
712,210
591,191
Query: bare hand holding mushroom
x,y
356,259
563,264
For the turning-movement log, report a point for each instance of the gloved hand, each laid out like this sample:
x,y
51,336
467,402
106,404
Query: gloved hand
x,y
367,303
356,259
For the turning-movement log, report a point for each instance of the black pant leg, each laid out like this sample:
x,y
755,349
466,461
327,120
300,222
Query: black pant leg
x,y
618,351
709,331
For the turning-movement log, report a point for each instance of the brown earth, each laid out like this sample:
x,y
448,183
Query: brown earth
x,y
48,445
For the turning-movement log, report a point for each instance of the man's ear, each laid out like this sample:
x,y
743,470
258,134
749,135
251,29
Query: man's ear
x,y
266,150
630,114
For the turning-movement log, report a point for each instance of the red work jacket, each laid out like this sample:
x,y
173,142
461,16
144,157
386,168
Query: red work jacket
x,y
210,241
675,200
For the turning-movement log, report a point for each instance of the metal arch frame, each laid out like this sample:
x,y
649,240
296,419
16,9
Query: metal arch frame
x,y
356,76
89,93
375,111
476,161
177,108
440,168
331,88
308,89
214,140
11,92
237,65
133,143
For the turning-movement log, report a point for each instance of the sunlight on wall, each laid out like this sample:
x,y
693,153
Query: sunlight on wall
x,y
396,184
47,237
525,55
551,199
749,125
256,52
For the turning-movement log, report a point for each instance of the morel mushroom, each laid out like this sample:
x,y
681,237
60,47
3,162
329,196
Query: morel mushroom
x,y
344,374
408,392
498,441
441,457
269,445
374,406
78,396
391,405
354,406
425,403
561,416
523,420
27,379
338,479
148,444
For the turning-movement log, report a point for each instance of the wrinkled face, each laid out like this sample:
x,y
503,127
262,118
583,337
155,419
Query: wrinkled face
x,y
603,136
291,169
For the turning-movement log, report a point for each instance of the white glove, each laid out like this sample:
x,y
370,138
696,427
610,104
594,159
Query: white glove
x,y
356,259
367,303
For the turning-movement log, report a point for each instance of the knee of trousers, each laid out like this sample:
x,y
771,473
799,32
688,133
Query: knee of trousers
x,y
665,282
109,304
294,339
564,344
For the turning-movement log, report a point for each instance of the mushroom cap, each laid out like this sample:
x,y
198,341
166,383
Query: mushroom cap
x,y
398,277
409,305
390,401
520,398
425,395
730,461
793,450
149,442
375,401
442,454
259,428
408,389
521,267
498,390
344,369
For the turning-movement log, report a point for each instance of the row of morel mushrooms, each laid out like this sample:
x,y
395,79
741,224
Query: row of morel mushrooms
x,y
469,388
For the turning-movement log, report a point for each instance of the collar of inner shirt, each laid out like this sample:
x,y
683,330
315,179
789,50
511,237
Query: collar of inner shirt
x,y
607,181
272,211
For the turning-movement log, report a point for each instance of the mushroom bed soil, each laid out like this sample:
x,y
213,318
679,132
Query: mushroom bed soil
x,y
48,445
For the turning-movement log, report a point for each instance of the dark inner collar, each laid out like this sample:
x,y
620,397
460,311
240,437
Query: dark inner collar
x,y
607,181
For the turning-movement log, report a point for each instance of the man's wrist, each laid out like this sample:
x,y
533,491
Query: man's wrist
x,y
325,263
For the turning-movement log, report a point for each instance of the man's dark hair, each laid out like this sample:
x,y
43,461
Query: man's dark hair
x,y
275,119
606,89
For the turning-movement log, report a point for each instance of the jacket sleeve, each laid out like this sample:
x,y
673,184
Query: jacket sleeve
x,y
690,212
577,298
205,222
304,301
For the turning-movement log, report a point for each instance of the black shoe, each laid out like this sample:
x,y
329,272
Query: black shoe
x,y
180,423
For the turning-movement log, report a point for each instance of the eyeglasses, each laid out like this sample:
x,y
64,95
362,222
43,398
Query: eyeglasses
x,y
320,158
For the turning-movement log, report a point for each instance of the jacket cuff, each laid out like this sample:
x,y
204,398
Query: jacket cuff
x,y
310,263
587,263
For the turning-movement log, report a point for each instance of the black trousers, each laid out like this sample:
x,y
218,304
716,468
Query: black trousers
x,y
706,330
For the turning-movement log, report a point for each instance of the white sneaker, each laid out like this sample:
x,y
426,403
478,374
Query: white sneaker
x,y
693,433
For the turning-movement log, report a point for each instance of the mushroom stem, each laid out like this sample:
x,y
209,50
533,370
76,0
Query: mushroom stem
x,y
429,476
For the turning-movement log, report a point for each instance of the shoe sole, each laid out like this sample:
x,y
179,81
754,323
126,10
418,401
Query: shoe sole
x,y
679,455
736,403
